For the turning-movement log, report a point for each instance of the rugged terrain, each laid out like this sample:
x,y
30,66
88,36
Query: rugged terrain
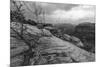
x,y
44,46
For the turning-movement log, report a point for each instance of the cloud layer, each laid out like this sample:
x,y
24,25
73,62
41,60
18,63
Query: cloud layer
x,y
76,13
62,13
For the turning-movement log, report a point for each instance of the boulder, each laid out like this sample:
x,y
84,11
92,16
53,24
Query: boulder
x,y
49,28
77,41
67,37
46,32
56,45
33,30
36,31
16,25
73,39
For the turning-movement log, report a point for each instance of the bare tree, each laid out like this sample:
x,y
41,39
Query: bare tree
x,y
37,11
17,15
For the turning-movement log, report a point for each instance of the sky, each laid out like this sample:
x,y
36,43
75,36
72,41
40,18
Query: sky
x,y
62,13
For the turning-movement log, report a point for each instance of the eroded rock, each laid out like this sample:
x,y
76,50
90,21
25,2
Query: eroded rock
x,y
40,32
57,45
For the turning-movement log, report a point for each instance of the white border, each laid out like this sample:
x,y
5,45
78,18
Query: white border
x,y
4,33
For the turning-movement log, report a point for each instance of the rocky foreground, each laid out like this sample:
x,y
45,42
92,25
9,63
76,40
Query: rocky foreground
x,y
40,46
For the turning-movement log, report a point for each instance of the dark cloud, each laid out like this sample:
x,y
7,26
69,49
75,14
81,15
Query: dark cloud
x,y
50,7
60,12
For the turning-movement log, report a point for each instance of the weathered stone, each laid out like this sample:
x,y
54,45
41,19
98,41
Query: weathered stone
x,y
64,59
46,33
18,50
73,39
17,46
76,41
33,30
16,61
14,42
39,32
57,45
67,37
